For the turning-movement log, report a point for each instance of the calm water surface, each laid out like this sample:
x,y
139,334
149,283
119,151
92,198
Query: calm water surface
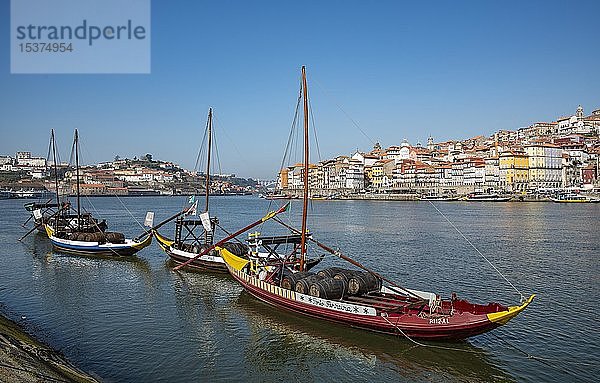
x,y
137,320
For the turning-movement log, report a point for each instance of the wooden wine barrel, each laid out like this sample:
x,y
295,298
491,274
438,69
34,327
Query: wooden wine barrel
x,y
236,248
303,285
330,272
344,275
74,236
362,283
289,280
115,237
328,288
96,237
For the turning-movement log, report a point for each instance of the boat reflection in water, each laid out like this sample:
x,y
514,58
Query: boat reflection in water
x,y
280,341
235,335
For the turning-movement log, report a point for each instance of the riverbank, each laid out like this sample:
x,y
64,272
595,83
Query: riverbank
x,y
24,359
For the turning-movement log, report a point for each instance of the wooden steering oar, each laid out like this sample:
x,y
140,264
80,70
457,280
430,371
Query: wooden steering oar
x,y
267,217
31,216
40,224
352,261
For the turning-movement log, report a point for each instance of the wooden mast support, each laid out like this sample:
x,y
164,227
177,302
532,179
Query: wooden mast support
x,y
208,160
76,143
52,140
162,223
230,236
306,159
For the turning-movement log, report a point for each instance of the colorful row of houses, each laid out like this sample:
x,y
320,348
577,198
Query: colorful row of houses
x,y
566,153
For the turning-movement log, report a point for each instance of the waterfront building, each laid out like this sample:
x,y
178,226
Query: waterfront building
x,y
506,136
543,129
444,174
589,175
404,175
89,189
425,176
545,165
367,159
25,160
402,152
578,123
355,175
492,172
514,170
593,121
282,179
6,160
382,174
474,172
457,173
295,172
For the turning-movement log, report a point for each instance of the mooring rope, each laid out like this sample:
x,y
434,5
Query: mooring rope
x,y
545,361
477,250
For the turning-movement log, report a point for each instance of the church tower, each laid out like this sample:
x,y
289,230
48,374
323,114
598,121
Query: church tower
x,y
430,143
579,113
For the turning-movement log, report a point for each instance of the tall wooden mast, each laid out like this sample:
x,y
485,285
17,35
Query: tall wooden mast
x,y
53,142
207,186
306,160
76,144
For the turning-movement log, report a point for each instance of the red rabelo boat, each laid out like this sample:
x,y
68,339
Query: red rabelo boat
x,y
359,297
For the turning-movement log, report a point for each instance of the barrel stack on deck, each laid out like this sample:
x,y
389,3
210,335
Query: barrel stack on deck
x,y
332,283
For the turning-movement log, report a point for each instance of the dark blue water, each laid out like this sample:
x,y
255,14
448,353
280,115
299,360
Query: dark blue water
x,y
137,320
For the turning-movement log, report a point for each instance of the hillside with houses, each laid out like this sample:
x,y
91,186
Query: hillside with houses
x,y
543,156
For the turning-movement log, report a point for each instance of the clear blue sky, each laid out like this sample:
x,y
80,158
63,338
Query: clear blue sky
x,y
451,69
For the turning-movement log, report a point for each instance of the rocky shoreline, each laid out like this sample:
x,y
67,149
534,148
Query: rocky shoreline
x,y
24,359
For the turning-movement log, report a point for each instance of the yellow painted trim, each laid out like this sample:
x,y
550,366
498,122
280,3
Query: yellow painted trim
x,y
144,243
502,317
49,230
231,259
164,242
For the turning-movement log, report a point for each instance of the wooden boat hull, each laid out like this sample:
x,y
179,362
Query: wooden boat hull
x,y
213,263
413,324
129,248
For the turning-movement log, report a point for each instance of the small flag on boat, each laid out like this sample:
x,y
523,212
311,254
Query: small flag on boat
x,y
192,199
205,218
193,210
37,214
149,221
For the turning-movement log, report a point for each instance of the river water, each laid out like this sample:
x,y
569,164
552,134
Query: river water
x,y
137,320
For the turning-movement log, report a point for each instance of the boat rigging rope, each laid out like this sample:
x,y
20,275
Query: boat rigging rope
x,y
477,250
224,131
94,207
314,129
128,211
287,148
343,111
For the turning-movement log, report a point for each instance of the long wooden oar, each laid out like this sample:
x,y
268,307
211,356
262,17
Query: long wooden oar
x,y
267,217
31,216
28,219
40,224
348,259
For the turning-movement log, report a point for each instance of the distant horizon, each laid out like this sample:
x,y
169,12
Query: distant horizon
x,y
398,71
